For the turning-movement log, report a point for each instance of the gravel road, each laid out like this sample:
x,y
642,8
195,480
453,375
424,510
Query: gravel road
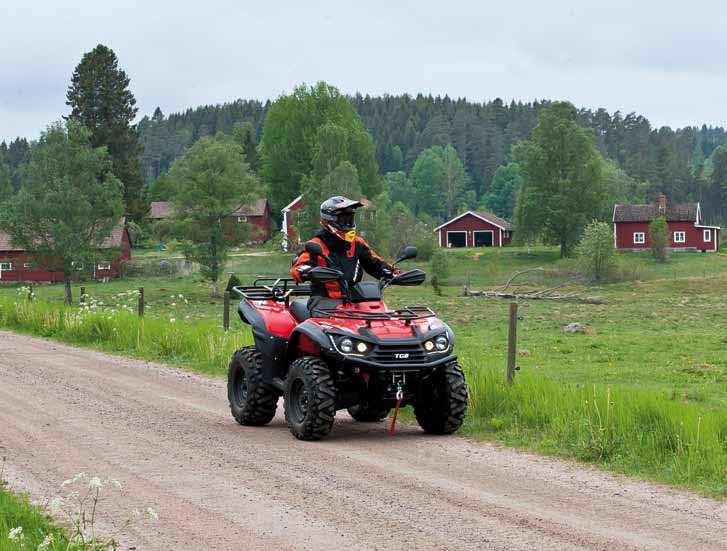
x,y
167,436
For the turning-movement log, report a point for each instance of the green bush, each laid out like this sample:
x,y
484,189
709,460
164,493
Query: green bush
x,y
234,281
659,237
596,253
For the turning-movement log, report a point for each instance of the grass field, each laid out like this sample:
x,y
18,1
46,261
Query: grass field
x,y
16,511
644,392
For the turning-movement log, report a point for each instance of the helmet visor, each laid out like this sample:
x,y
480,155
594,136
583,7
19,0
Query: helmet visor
x,y
345,220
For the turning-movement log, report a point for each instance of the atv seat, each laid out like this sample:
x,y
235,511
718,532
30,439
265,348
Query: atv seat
x,y
299,309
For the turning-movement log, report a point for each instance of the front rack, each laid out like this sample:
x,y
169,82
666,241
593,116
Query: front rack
x,y
279,289
407,314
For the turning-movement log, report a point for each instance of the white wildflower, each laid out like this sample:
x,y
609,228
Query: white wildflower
x,y
135,513
16,534
113,482
173,304
95,483
181,296
56,505
151,514
45,544
172,320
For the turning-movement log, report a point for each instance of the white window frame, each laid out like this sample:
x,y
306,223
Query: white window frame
x,y
475,232
456,231
27,265
641,238
241,219
104,266
6,266
707,236
681,234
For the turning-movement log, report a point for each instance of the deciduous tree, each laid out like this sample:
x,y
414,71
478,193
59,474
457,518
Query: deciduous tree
x,y
562,181
69,202
211,181
290,148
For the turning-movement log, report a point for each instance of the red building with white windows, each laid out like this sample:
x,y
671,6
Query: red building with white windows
x,y
474,229
16,264
686,230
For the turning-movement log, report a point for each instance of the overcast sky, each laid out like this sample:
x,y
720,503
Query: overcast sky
x,y
667,63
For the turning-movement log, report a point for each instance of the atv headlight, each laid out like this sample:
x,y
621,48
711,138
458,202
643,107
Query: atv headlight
x,y
361,347
346,345
429,346
441,343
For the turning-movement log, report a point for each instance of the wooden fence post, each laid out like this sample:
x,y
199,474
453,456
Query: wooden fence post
x,y
141,301
226,312
30,292
82,296
512,344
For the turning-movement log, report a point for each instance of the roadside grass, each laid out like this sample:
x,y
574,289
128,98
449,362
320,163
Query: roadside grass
x,y
202,346
17,511
644,392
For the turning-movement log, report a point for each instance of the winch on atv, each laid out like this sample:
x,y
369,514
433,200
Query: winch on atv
x,y
356,355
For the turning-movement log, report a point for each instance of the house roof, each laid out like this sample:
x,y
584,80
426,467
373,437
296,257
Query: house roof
x,y
292,203
482,215
113,241
160,209
256,208
685,212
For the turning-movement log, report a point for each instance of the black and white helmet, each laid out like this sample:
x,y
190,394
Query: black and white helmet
x,y
338,216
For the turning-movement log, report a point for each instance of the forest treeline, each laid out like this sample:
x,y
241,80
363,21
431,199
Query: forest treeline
x,y
659,160
674,162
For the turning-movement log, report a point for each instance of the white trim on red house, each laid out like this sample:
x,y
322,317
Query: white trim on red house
x,y
486,231
473,213
456,231
682,234
642,239
284,228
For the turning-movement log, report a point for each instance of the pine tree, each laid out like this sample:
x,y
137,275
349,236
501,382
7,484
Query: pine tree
x,y
100,99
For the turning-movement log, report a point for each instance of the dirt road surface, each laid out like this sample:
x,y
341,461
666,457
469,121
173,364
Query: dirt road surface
x,y
167,436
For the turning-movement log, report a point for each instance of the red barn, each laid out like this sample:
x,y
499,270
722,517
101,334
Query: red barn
x,y
18,265
686,231
290,234
474,229
256,214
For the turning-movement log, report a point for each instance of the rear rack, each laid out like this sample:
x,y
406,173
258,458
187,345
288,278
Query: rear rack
x,y
280,289
407,314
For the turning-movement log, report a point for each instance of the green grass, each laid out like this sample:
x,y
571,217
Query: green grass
x,y
654,363
16,510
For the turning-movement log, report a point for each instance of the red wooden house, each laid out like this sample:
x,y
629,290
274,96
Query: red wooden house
x,y
17,264
256,214
474,229
686,230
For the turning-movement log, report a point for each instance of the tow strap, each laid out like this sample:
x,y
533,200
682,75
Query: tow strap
x,y
399,398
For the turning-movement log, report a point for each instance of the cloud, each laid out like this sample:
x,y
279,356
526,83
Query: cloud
x,y
663,61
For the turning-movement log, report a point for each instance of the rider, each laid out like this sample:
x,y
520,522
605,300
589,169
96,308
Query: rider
x,y
347,252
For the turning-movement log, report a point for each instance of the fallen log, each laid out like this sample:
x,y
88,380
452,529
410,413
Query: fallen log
x,y
537,295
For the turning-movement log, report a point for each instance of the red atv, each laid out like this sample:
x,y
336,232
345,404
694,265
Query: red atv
x,y
358,355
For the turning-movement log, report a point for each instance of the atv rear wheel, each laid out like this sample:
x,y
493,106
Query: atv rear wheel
x,y
368,413
441,403
310,399
252,402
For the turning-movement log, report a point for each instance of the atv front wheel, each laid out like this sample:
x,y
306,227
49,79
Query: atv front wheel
x,y
310,399
252,402
368,413
441,403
